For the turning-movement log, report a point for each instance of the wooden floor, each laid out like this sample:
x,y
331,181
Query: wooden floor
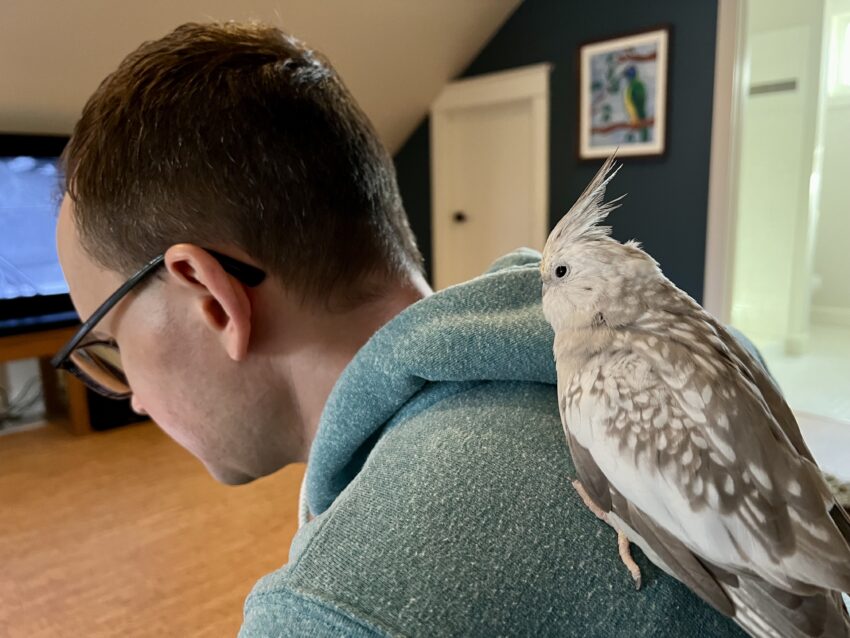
x,y
123,533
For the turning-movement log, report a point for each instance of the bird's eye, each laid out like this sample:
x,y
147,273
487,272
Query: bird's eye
x,y
561,271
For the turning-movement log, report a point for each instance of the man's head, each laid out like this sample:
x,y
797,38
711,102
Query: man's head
x,y
240,139
236,134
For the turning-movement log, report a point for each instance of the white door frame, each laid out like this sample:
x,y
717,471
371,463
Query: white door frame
x,y
524,83
729,85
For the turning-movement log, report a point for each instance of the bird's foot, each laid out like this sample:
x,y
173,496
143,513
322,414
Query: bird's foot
x,y
622,539
626,557
593,507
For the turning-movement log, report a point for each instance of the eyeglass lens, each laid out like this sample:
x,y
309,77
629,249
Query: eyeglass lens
x,y
100,364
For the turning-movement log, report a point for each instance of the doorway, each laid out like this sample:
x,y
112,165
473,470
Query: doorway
x,y
787,260
490,164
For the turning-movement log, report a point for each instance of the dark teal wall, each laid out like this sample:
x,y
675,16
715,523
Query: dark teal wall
x,y
667,197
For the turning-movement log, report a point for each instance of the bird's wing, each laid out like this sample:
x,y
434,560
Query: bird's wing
x,y
763,610
727,348
733,353
639,98
690,444
741,522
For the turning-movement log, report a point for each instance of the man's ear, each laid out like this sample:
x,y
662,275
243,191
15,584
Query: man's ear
x,y
222,300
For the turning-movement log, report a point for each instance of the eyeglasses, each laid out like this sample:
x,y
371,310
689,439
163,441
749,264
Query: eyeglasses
x,y
97,361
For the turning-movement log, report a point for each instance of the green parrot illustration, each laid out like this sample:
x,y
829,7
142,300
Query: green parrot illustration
x,y
635,100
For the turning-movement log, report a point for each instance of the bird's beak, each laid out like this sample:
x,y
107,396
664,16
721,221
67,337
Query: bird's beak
x,y
544,271
544,265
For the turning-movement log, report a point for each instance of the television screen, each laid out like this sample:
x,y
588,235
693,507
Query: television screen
x,y
29,201
33,292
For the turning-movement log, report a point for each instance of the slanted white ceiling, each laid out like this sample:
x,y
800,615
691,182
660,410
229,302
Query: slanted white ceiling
x,y
394,55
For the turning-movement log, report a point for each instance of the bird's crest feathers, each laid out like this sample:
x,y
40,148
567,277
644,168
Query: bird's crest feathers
x,y
582,220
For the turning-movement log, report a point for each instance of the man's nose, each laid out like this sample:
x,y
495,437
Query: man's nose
x,y
137,406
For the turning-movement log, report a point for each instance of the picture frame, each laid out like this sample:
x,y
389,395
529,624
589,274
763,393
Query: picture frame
x,y
623,95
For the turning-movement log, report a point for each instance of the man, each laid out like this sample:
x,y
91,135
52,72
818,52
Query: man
x,y
282,316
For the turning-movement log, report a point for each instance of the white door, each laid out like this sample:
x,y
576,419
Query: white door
x,y
489,150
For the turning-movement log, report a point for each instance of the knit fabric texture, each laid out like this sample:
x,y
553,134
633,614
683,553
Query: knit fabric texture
x,y
439,480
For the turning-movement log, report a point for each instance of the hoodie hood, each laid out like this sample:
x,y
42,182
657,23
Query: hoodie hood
x,y
491,328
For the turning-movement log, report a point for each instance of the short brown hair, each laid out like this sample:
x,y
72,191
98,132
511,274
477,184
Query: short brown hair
x,y
237,133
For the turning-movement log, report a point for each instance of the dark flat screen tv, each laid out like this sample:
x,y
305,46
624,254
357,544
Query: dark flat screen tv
x,y
33,292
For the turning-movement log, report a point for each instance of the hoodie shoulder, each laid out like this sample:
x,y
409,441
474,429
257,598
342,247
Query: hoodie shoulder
x,y
519,257
462,522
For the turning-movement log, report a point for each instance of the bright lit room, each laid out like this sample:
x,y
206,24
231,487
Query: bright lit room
x,y
401,318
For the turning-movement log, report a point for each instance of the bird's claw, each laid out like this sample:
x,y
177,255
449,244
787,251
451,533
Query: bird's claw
x,y
628,561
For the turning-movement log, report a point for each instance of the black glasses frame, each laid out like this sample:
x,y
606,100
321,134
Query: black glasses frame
x,y
247,274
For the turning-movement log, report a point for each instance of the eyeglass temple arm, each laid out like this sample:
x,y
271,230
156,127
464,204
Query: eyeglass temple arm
x,y
247,274
105,307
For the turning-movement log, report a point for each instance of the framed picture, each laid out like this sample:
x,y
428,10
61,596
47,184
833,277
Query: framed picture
x,y
623,95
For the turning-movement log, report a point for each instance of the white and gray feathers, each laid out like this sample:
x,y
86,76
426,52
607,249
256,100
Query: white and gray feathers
x,y
684,440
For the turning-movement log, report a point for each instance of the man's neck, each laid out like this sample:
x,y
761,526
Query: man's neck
x,y
328,341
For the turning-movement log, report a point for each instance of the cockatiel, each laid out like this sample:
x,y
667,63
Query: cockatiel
x,y
682,442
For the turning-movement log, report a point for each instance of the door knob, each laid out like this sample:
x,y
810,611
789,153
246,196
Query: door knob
x,y
459,217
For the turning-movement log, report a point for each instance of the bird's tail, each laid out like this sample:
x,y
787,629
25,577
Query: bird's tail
x,y
762,609
765,611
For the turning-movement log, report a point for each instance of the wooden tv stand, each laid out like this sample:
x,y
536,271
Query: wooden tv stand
x,y
72,409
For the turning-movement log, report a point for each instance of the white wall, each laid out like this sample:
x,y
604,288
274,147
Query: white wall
x,y
831,300
771,278
773,154
832,251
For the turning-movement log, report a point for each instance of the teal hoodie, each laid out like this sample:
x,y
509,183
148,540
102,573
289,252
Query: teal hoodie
x,y
439,483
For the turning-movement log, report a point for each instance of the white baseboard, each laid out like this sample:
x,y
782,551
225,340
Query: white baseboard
x,y
832,315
